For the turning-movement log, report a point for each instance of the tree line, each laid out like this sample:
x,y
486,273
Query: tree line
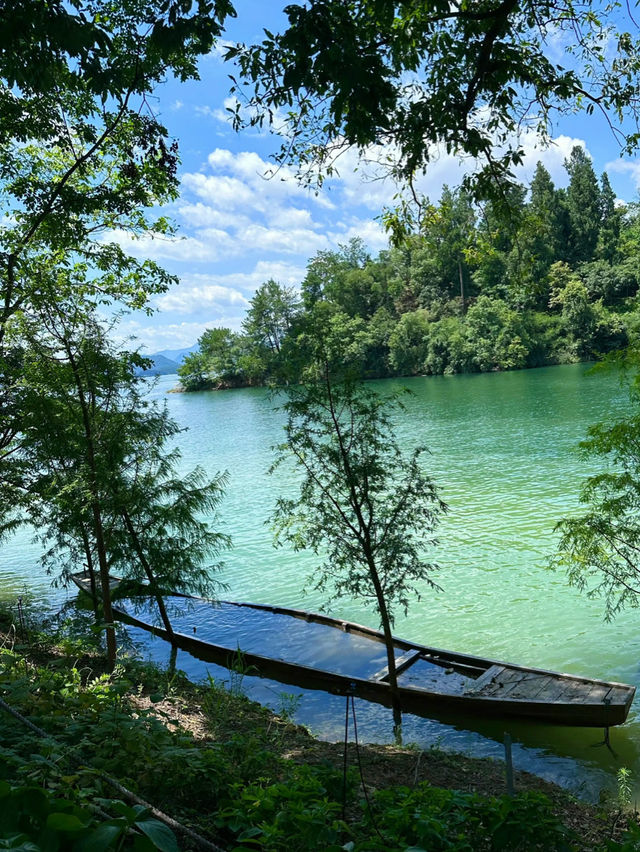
x,y
469,289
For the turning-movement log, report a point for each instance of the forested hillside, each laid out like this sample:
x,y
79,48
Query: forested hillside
x,y
474,288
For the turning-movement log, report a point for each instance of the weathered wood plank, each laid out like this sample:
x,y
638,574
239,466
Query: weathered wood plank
x,y
580,693
402,663
552,690
514,684
478,685
618,694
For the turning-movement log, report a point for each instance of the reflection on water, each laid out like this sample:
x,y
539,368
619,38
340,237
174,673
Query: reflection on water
x,y
269,634
503,454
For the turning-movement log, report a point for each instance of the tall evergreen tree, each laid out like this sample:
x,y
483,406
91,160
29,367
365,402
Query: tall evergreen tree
x,y
499,252
548,206
584,205
610,221
365,507
98,481
449,232
541,240
270,315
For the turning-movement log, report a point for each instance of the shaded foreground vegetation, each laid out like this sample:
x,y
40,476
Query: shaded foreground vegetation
x,y
238,776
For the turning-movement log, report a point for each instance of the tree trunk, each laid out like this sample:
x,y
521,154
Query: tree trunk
x,y
92,574
98,528
104,584
461,286
173,656
390,648
150,575
365,541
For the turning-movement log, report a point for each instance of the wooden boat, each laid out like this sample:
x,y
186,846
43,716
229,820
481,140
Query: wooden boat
x,y
316,651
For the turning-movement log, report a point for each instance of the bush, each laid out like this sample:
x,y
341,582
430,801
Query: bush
x,y
434,819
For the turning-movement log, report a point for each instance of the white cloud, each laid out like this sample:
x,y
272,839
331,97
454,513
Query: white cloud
x,y
300,241
206,111
152,338
212,245
372,233
200,215
220,191
551,156
229,293
631,168
220,47
243,213
290,217
268,182
200,294
283,273
365,180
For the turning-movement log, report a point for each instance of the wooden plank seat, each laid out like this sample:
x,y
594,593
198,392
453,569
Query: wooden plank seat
x,y
402,663
478,685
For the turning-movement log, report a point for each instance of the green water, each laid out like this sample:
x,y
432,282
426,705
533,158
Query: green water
x,y
503,453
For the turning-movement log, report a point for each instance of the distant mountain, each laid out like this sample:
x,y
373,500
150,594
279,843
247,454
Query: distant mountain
x,y
161,366
177,355
167,362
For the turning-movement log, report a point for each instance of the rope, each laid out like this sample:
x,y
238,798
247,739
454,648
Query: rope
x,y
364,788
344,762
202,842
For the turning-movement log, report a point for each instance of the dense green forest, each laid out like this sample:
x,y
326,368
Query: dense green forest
x,y
552,282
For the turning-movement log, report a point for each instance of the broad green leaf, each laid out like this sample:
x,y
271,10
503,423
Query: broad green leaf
x,y
33,801
64,822
160,834
103,837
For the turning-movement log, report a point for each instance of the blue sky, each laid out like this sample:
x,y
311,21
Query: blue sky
x,y
237,229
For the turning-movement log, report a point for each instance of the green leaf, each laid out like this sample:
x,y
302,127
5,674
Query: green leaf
x,y
159,834
254,831
33,801
124,810
19,843
64,822
103,837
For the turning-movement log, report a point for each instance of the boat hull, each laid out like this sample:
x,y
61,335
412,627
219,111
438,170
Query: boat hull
x,y
481,687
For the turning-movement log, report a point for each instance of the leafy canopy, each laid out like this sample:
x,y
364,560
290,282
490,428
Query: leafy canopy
x,y
91,436
466,77
81,152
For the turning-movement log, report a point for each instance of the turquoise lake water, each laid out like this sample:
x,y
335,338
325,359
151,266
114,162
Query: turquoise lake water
x,y
503,452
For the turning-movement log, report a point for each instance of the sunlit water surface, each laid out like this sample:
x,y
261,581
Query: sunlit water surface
x,y
503,452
